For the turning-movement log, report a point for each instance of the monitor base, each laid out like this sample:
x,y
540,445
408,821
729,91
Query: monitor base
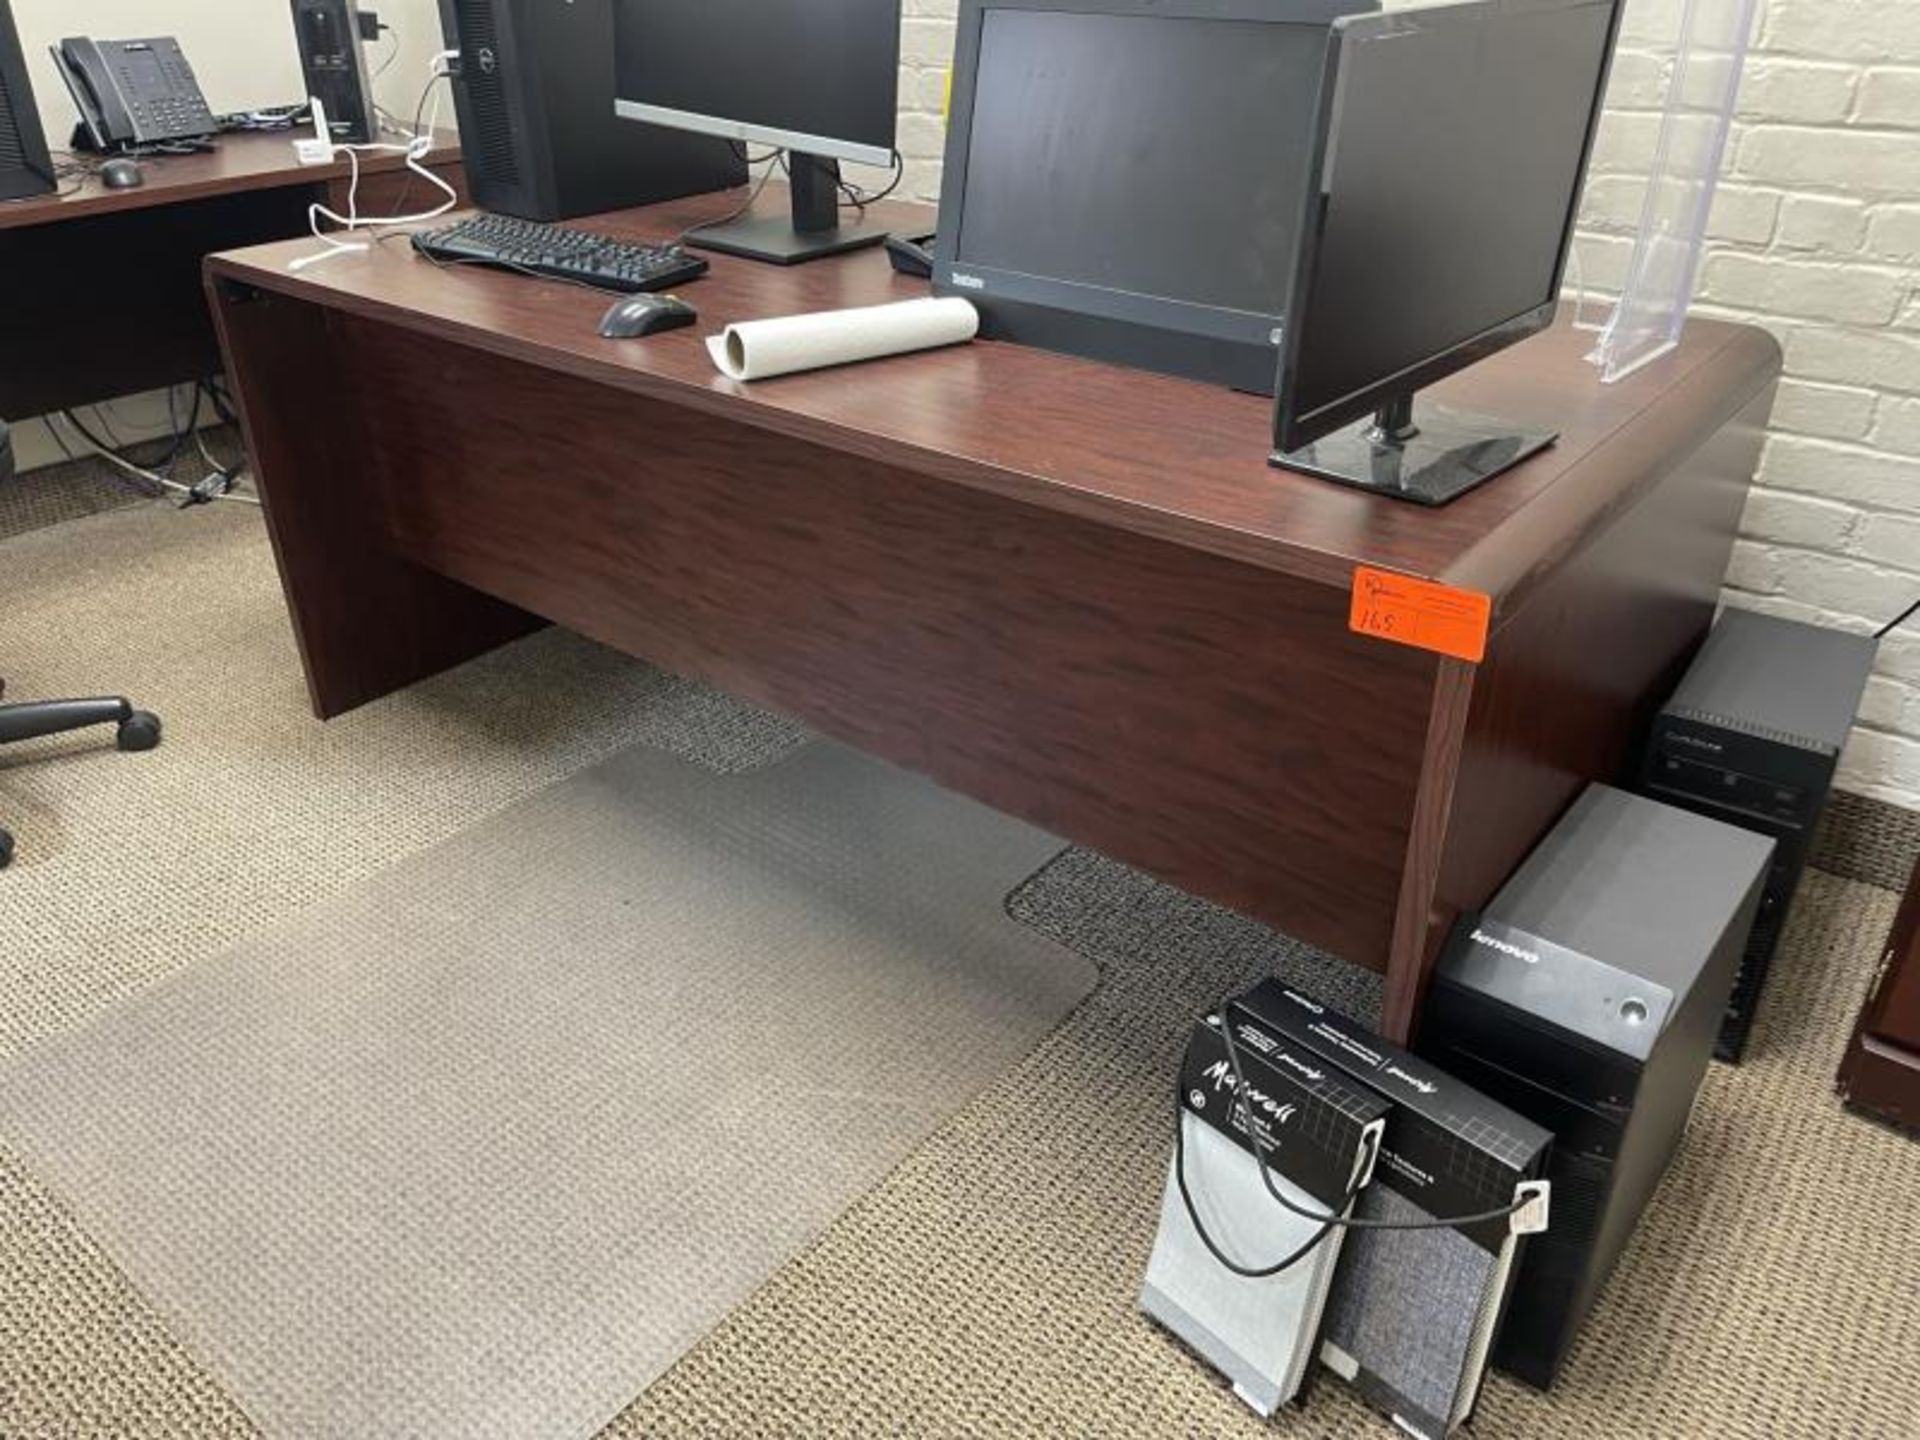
x,y
1437,458
775,240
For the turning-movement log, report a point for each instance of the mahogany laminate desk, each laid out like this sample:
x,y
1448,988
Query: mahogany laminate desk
x,y
100,291
1075,592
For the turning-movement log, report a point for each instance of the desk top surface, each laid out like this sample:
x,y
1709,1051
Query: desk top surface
x,y
239,162
1182,461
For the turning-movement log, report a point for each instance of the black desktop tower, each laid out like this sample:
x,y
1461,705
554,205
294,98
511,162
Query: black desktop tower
x,y
334,62
1587,998
1752,737
535,93
25,166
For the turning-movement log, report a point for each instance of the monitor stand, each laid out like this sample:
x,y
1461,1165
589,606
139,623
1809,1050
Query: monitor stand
x,y
1441,457
813,232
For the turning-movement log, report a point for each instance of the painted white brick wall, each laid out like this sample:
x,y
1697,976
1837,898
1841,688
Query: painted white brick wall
x,y
1816,236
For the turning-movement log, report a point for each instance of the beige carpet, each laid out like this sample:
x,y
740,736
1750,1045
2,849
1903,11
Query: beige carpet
x,y
986,1286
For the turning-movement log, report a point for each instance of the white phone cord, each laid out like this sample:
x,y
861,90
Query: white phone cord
x,y
416,150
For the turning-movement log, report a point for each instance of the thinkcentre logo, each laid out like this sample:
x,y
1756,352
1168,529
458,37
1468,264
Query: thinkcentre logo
x,y
1480,937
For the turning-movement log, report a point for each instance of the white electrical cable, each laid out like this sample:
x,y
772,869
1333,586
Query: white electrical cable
x,y
416,149
151,477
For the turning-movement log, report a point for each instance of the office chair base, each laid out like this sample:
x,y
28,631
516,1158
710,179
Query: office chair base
x,y
135,729
139,731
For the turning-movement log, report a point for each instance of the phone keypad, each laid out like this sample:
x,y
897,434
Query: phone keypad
x,y
171,107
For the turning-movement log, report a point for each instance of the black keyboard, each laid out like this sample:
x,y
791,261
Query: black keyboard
x,y
559,253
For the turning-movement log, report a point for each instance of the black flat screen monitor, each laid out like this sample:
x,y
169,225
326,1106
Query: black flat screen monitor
x,y
1123,177
819,79
1449,162
25,166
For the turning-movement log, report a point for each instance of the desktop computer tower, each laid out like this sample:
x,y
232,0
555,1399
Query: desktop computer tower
x,y
25,166
534,88
1587,997
333,61
1752,737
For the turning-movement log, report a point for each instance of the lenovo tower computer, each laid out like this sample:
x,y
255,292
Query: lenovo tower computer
x,y
25,166
1587,997
534,89
1752,737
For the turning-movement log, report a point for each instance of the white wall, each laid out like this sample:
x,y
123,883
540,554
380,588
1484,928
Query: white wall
x,y
1815,236
241,50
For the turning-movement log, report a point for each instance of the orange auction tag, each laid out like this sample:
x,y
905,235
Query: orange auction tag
x,y
1421,613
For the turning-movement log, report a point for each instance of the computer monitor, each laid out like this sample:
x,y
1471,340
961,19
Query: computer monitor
x,y
1123,177
818,79
1448,166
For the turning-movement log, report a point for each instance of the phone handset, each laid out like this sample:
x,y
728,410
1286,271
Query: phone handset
x,y
103,113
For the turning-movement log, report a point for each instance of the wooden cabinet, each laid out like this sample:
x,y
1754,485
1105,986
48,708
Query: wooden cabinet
x,y
1881,1074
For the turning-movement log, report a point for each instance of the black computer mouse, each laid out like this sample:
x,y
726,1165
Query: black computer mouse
x,y
122,174
635,315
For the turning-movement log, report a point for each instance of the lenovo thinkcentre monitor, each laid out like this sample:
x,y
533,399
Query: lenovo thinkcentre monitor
x,y
818,79
1447,167
1123,177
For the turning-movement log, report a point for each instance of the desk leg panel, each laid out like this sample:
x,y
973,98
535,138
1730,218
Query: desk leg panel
x,y
367,622
1207,720
1573,679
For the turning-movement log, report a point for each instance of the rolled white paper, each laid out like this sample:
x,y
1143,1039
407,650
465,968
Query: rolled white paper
x,y
758,349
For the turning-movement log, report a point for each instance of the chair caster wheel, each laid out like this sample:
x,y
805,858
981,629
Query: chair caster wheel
x,y
6,849
139,731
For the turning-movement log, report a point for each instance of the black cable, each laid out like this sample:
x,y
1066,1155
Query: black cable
x,y
1349,1222
748,158
1897,621
70,176
419,119
99,444
743,207
1199,1226
179,438
142,488
222,402
860,201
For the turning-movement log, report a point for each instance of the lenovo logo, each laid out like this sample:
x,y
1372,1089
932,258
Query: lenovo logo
x,y
1480,937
